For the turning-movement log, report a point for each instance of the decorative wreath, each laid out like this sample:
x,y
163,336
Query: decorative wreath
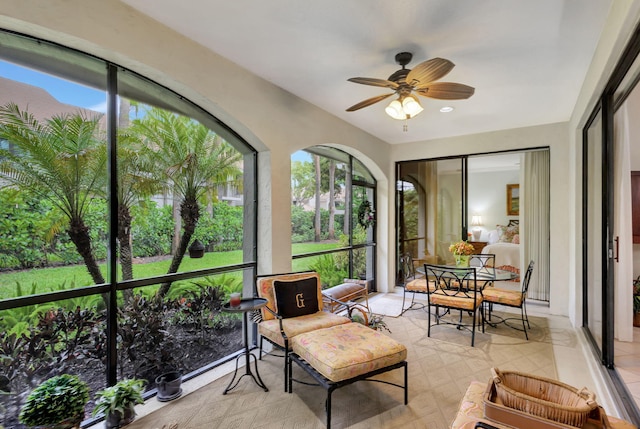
x,y
366,215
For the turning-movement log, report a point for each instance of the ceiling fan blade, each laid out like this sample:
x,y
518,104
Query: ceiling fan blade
x,y
428,71
368,102
374,82
446,91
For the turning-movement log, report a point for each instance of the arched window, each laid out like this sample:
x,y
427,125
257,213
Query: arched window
x,y
128,217
333,215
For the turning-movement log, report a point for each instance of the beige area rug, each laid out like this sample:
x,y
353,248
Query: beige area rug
x,y
389,304
440,370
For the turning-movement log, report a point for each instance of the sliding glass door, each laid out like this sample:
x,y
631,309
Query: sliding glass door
x,y
594,250
430,208
470,197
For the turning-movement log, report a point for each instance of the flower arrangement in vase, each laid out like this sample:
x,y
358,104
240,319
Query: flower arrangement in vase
x,y
461,251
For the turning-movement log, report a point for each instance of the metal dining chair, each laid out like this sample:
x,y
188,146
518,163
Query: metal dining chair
x,y
455,289
510,298
485,265
412,283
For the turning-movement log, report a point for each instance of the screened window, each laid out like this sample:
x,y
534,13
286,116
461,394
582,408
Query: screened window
x,y
333,216
122,205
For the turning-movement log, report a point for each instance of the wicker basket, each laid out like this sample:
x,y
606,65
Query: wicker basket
x,y
544,397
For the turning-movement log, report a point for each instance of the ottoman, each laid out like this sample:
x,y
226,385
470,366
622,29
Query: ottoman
x,y
343,354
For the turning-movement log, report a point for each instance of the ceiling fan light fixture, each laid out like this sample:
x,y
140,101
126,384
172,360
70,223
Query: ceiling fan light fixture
x,y
421,79
394,109
411,106
405,107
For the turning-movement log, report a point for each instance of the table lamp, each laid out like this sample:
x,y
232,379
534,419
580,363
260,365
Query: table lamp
x,y
476,221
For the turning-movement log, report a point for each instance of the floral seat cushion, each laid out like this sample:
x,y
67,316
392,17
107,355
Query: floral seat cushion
x,y
293,326
347,351
456,300
420,285
503,296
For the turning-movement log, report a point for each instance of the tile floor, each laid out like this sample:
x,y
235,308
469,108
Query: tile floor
x,y
440,369
627,360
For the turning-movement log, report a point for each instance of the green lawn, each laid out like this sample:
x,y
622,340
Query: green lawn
x,y
60,278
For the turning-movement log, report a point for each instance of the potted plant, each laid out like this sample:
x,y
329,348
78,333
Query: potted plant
x,y
118,401
56,403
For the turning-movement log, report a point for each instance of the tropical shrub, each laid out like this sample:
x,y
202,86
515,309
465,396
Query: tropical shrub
x,y
200,303
301,225
359,255
330,274
145,342
57,399
151,229
97,220
22,230
223,231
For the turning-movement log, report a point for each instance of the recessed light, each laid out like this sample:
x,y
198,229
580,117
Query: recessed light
x,y
446,109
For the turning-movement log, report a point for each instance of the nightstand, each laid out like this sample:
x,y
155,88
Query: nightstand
x,y
478,246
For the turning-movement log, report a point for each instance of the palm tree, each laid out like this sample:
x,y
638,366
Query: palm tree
x,y
188,159
332,199
63,160
318,226
135,181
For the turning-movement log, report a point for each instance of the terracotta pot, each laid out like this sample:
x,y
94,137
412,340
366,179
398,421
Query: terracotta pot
x,y
636,319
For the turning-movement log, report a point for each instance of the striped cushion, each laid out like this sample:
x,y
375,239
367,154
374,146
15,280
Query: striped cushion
x,y
457,300
503,296
346,351
293,326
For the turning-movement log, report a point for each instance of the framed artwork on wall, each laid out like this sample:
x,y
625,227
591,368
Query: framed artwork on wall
x,y
513,200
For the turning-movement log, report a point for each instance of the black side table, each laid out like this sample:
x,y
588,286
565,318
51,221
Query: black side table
x,y
246,305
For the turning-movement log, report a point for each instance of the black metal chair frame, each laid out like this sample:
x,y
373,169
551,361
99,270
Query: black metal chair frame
x,y
524,317
454,281
285,337
409,274
330,386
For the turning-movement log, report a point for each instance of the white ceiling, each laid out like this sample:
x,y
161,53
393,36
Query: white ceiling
x,y
526,59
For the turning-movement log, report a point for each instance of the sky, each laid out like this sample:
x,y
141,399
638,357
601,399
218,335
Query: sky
x,y
63,90
301,156
75,94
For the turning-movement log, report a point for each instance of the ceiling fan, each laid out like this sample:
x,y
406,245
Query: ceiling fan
x,y
419,80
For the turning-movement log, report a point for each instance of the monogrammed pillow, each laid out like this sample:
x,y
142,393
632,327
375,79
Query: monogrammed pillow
x,y
296,298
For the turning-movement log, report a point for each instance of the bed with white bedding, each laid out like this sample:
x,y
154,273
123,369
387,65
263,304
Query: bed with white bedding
x,y
505,244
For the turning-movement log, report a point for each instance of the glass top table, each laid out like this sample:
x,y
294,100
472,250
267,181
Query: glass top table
x,y
484,274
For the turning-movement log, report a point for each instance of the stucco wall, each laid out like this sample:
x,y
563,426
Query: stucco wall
x,y
556,137
278,123
273,121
